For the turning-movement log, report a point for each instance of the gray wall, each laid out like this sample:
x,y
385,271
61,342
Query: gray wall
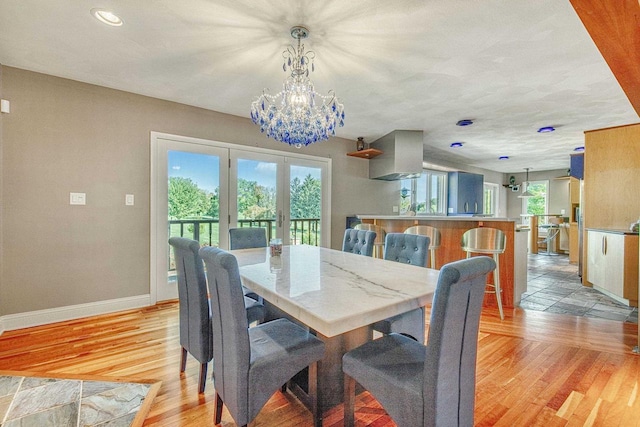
x,y
65,136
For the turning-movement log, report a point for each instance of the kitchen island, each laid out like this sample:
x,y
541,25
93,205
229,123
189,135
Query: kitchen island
x,y
513,262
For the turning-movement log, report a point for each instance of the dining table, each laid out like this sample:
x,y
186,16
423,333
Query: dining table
x,y
337,295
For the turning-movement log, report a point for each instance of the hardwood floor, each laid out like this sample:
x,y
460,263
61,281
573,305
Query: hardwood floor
x,y
534,368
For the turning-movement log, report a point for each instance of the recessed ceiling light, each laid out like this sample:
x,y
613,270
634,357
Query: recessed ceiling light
x,y
578,149
546,129
107,17
503,158
456,144
465,122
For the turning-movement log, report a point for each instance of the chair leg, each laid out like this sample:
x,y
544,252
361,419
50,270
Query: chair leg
x,y
314,394
496,281
349,400
217,413
183,360
203,377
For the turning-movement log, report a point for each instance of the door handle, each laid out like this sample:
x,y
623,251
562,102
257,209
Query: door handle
x,y
280,219
475,209
466,206
604,241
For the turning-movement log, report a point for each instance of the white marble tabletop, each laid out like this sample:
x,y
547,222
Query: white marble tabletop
x,y
334,292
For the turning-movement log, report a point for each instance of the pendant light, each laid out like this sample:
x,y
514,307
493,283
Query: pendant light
x,y
526,192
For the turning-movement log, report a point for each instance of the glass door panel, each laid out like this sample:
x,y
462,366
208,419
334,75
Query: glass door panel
x,y
254,192
307,202
194,196
192,202
305,205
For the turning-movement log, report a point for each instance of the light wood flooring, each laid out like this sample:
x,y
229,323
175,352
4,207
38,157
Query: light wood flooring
x,y
534,368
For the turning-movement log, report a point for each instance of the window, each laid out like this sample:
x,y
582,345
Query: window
x,y
538,204
426,195
491,199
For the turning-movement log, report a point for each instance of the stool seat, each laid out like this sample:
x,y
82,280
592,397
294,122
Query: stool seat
x,y
491,241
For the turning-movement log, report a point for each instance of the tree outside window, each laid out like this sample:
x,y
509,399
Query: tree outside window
x,y
537,204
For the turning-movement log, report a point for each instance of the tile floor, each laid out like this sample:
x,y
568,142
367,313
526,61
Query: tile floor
x,y
51,402
554,286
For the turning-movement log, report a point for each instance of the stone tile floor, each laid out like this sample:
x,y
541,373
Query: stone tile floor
x,y
554,286
55,402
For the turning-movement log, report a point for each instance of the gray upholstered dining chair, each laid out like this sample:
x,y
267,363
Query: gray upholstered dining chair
x,y
378,244
250,364
247,237
358,241
434,240
409,249
194,309
432,385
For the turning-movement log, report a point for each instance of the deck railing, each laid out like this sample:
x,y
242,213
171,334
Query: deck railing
x,y
207,230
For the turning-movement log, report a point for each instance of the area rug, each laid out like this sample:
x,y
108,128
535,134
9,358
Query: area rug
x,y
44,400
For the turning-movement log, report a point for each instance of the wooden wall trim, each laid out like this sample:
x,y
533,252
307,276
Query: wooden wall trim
x,y
614,26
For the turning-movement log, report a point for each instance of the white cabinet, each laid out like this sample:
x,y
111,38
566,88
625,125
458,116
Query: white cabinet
x,y
612,264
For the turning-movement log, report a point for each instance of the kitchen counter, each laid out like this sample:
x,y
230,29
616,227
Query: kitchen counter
x,y
614,231
437,218
513,262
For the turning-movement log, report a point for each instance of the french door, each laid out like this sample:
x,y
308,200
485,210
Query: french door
x,y
202,188
285,195
192,202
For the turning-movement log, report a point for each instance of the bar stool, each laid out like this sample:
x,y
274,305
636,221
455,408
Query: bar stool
x,y
378,244
486,240
434,240
553,231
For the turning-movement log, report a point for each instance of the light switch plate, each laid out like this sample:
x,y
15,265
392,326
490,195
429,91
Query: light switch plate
x,y
77,198
129,199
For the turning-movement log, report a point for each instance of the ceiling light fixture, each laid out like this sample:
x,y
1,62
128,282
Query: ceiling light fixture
x,y
107,17
546,129
298,115
456,144
503,158
526,192
465,122
578,149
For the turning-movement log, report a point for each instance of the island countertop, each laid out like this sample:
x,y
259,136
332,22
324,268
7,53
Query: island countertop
x,y
436,218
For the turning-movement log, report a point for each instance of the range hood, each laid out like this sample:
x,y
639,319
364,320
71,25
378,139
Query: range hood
x,y
401,156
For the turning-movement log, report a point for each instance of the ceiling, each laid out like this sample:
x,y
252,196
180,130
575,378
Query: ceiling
x,y
512,66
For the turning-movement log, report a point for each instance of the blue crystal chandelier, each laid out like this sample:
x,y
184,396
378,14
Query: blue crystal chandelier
x,y
298,115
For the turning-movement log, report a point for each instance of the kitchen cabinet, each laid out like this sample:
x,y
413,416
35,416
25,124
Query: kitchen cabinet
x,y
573,243
612,264
574,202
577,166
466,193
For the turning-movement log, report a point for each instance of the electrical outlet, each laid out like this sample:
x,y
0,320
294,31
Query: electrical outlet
x,y
396,209
129,200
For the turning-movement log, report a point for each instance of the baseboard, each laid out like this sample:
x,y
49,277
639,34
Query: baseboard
x,y
60,314
611,295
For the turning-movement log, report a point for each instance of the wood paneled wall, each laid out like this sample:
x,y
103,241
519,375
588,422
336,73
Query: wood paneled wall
x,y
611,177
611,173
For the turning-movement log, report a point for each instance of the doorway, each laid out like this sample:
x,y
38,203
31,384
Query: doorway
x,y
201,188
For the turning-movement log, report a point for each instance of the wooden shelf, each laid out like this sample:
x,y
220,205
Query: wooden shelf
x,y
369,153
